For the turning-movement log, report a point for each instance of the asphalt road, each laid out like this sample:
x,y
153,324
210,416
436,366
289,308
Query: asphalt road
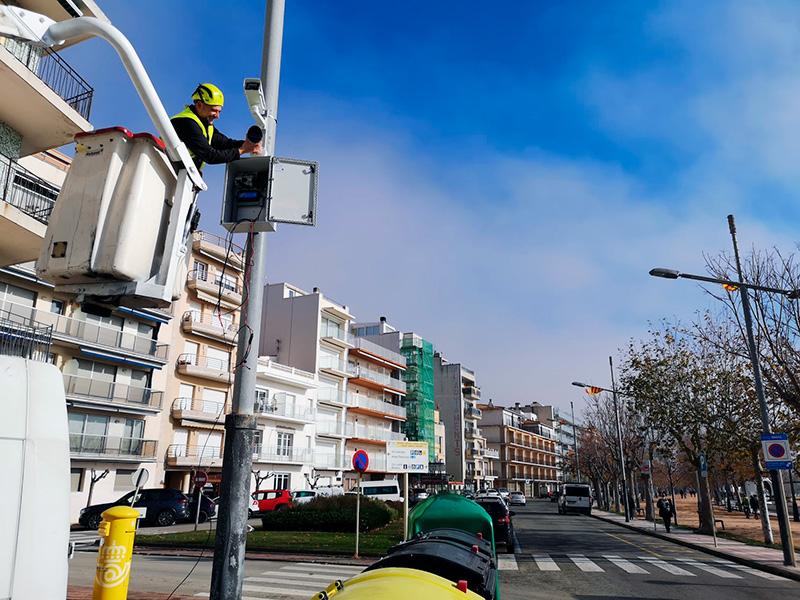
x,y
559,557
577,557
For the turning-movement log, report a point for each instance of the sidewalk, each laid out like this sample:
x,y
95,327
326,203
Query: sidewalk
x,y
756,557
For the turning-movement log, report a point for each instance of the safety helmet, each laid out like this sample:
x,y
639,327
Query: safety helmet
x,y
208,93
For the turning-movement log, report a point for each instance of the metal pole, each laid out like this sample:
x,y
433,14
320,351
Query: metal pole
x,y
777,480
575,437
227,573
619,440
358,512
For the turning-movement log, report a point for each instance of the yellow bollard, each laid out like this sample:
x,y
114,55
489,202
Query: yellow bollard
x,y
116,550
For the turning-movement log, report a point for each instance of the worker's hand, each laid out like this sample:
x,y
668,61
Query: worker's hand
x,y
250,148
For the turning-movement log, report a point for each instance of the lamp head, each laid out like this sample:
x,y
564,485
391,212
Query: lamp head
x,y
665,273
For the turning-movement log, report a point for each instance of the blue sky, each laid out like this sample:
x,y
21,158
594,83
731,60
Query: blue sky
x,y
500,178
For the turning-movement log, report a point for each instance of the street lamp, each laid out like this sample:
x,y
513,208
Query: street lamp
x,y
590,389
777,479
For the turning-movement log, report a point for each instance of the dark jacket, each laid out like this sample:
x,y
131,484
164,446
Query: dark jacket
x,y
221,149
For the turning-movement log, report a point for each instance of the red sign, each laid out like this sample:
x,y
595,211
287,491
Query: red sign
x,y
200,478
360,461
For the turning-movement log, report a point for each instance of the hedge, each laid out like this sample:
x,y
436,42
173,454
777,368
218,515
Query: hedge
x,y
334,513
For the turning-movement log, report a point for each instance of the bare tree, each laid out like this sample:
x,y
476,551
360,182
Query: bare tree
x,y
93,479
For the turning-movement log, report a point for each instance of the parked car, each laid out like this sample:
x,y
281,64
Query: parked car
x,y
251,511
272,500
501,521
387,490
208,509
517,498
503,492
416,495
553,495
162,507
304,496
576,497
487,493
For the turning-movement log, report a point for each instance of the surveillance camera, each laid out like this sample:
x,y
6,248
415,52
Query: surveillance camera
x,y
252,90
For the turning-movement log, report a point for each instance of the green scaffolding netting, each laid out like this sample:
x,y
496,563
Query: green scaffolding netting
x,y
419,402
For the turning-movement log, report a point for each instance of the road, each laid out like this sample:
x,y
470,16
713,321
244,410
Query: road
x,y
571,557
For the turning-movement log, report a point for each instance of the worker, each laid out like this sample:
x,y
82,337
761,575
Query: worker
x,y
195,127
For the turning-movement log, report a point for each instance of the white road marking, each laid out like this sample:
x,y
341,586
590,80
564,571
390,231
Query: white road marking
x,y
584,564
749,570
355,570
545,563
507,563
625,565
280,591
669,568
709,569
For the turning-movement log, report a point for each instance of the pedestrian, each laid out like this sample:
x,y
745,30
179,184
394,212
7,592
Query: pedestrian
x,y
746,507
665,511
195,127
754,504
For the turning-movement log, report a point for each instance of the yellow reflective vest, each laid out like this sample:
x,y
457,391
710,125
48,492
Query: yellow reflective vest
x,y
205,127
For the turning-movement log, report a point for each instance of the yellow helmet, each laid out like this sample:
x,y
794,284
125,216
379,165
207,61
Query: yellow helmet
x,y
208,93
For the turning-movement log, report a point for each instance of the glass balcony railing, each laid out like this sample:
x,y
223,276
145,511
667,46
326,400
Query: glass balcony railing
x,y
373,348
334,396
110,446
379,406
112,392
280,454
191,452
336,364
283,409
379,378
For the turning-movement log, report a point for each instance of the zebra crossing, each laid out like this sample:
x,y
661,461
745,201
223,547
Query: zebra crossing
x,y
638,565
294,580
83,538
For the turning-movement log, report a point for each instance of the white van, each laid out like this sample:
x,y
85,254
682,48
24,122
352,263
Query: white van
x,y
575,497
387,490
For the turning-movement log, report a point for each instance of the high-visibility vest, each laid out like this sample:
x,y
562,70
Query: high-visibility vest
x,y
207,129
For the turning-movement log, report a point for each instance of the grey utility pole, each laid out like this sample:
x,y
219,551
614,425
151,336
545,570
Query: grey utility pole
x,y
575,437
227,575
777,479
628,508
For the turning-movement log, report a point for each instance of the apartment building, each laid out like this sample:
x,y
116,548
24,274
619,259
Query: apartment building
x,y
201,370
527,448
457,396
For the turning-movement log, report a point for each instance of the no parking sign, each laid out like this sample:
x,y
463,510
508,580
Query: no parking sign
x,y
776,451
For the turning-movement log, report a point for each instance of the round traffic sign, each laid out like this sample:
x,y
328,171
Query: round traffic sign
x,y
200,478
360,461
139,477
777,451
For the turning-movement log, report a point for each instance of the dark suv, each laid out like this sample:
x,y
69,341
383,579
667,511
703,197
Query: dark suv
x,y
163,507
501,521
207,509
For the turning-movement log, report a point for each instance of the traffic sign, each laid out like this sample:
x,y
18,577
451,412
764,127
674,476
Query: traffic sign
x,y
776,451
139,477
360,461
200,478
703,465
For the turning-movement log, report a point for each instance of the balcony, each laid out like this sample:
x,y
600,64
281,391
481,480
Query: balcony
x,y
105,447
280,409
475,452
365,346
199,409
332,428
375,405
492,453
78,332
118,395
44,98
276,370
195,365
337,337
374,379
30,341
27,201
219,248
215,287
471,431
196,323
328,461
472,392
336,366
183,455
335,397
471,411
371,433
281,454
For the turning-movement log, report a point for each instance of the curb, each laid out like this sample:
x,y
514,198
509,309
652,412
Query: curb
x,y
195,552
780,571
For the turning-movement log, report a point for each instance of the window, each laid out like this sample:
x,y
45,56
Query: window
x,y
281,481
261,401
285,441
200,270
57,307
123,479
331,328
76,480
87,433
227,282
258,438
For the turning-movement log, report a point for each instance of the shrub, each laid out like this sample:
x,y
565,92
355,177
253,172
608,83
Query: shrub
x,y
335,514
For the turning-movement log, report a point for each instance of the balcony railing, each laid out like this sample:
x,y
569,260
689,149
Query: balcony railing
x,y
281,454
112,391
28,192
379,378
336,364
187,451
197,360
280,408
217,240
224,327
31,341
216,281
328,461
87,331
208,407
380,406
373,348
491,453
286,369
472,391
379,434
338,334
335,396
471,411
56,74
110,446
331,428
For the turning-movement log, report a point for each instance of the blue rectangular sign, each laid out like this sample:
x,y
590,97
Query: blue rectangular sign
x,y
769,437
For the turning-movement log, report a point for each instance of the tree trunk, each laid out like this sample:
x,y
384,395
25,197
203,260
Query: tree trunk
x,y
649,502
616,494
766,528
706,511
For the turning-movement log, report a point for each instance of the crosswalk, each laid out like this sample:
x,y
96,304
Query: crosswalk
x,y
637,565
83,538
294,580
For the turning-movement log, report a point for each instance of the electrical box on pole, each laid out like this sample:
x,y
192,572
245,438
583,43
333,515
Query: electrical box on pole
x,y
262,190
